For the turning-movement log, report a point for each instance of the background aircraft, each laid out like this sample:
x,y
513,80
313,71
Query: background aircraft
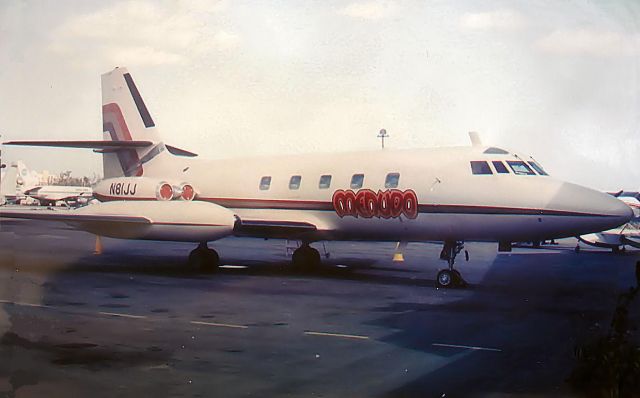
x,y
20,184
617,238
159,192
9,189
49,195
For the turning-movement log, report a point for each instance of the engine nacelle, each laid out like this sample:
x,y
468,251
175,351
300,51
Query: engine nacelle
x,y
142,188
157,220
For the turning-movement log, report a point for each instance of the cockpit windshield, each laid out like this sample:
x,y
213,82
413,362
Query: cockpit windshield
x,y
520,168
538,168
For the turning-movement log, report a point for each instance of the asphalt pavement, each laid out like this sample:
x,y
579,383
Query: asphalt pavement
x,y
135,321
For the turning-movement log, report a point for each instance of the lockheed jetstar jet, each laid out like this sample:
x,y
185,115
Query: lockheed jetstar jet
x,y
156,191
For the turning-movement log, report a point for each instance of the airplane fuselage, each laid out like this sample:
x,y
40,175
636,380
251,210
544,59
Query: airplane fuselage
x,y
412,195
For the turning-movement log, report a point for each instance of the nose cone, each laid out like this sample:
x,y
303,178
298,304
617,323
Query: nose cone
x,y
592,210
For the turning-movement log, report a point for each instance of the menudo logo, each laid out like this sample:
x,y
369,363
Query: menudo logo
x,y
366,203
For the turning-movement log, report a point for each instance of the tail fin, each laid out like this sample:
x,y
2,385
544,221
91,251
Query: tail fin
x,y
9,183
125,117
130,139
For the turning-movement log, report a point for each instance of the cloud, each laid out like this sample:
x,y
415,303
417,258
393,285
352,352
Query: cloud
x,y
142,33
371,10
493,20
589,42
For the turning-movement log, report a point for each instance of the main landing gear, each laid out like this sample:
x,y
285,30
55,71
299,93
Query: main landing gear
x,y
204,259
305,258
451,277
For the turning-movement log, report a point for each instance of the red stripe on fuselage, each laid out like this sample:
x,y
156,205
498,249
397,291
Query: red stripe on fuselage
x,y
287,204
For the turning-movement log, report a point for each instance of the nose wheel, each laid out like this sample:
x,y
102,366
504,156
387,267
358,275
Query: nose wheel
x,y
204,259
448,278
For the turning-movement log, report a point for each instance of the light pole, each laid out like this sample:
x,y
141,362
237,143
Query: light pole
x,y
382,135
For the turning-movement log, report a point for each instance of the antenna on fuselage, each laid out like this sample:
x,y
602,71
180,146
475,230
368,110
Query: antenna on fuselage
x,y
475,138
382,135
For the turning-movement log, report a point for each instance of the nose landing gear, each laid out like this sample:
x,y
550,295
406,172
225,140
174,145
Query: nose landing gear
x,y
451,277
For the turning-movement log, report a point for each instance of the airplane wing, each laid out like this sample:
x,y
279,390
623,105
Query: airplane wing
x,y
70,216
171,220
273,229
631,241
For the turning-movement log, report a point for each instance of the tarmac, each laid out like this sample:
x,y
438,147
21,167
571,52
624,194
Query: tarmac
x,y
135,321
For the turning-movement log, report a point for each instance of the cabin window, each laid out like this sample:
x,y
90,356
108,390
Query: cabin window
x,y
325,181
356,181
538,168
500,167
519,167
265,183
392,180
294,182
480,167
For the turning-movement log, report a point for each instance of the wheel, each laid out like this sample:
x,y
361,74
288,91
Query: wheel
x,y
445,278
211,262
204,259
305,258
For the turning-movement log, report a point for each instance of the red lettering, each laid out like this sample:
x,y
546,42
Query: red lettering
x,y
384,207
367,204
396,198
338,201
410,208
350,203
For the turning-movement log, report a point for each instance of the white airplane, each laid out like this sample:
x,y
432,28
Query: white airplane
x,y
617,238
49,195
5,188
21,183
159,192
9,185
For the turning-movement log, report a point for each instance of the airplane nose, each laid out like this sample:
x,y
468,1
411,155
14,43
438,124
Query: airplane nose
x,y
599,211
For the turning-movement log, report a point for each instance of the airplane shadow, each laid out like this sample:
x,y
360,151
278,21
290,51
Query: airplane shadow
x,y
524,319
123,260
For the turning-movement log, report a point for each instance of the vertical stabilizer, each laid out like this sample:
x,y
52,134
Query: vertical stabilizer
x,y
125,117
8,185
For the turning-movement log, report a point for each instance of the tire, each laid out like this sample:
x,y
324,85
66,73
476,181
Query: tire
x,y
445,279
305,258
204,260
211,261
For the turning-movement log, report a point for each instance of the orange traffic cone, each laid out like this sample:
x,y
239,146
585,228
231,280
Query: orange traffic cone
x,y
98,249
398,256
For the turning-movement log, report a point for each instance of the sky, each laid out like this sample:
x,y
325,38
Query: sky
x,y
559,80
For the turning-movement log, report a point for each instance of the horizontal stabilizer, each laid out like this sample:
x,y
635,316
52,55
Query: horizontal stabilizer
x,y
84,144
180,152
101,146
